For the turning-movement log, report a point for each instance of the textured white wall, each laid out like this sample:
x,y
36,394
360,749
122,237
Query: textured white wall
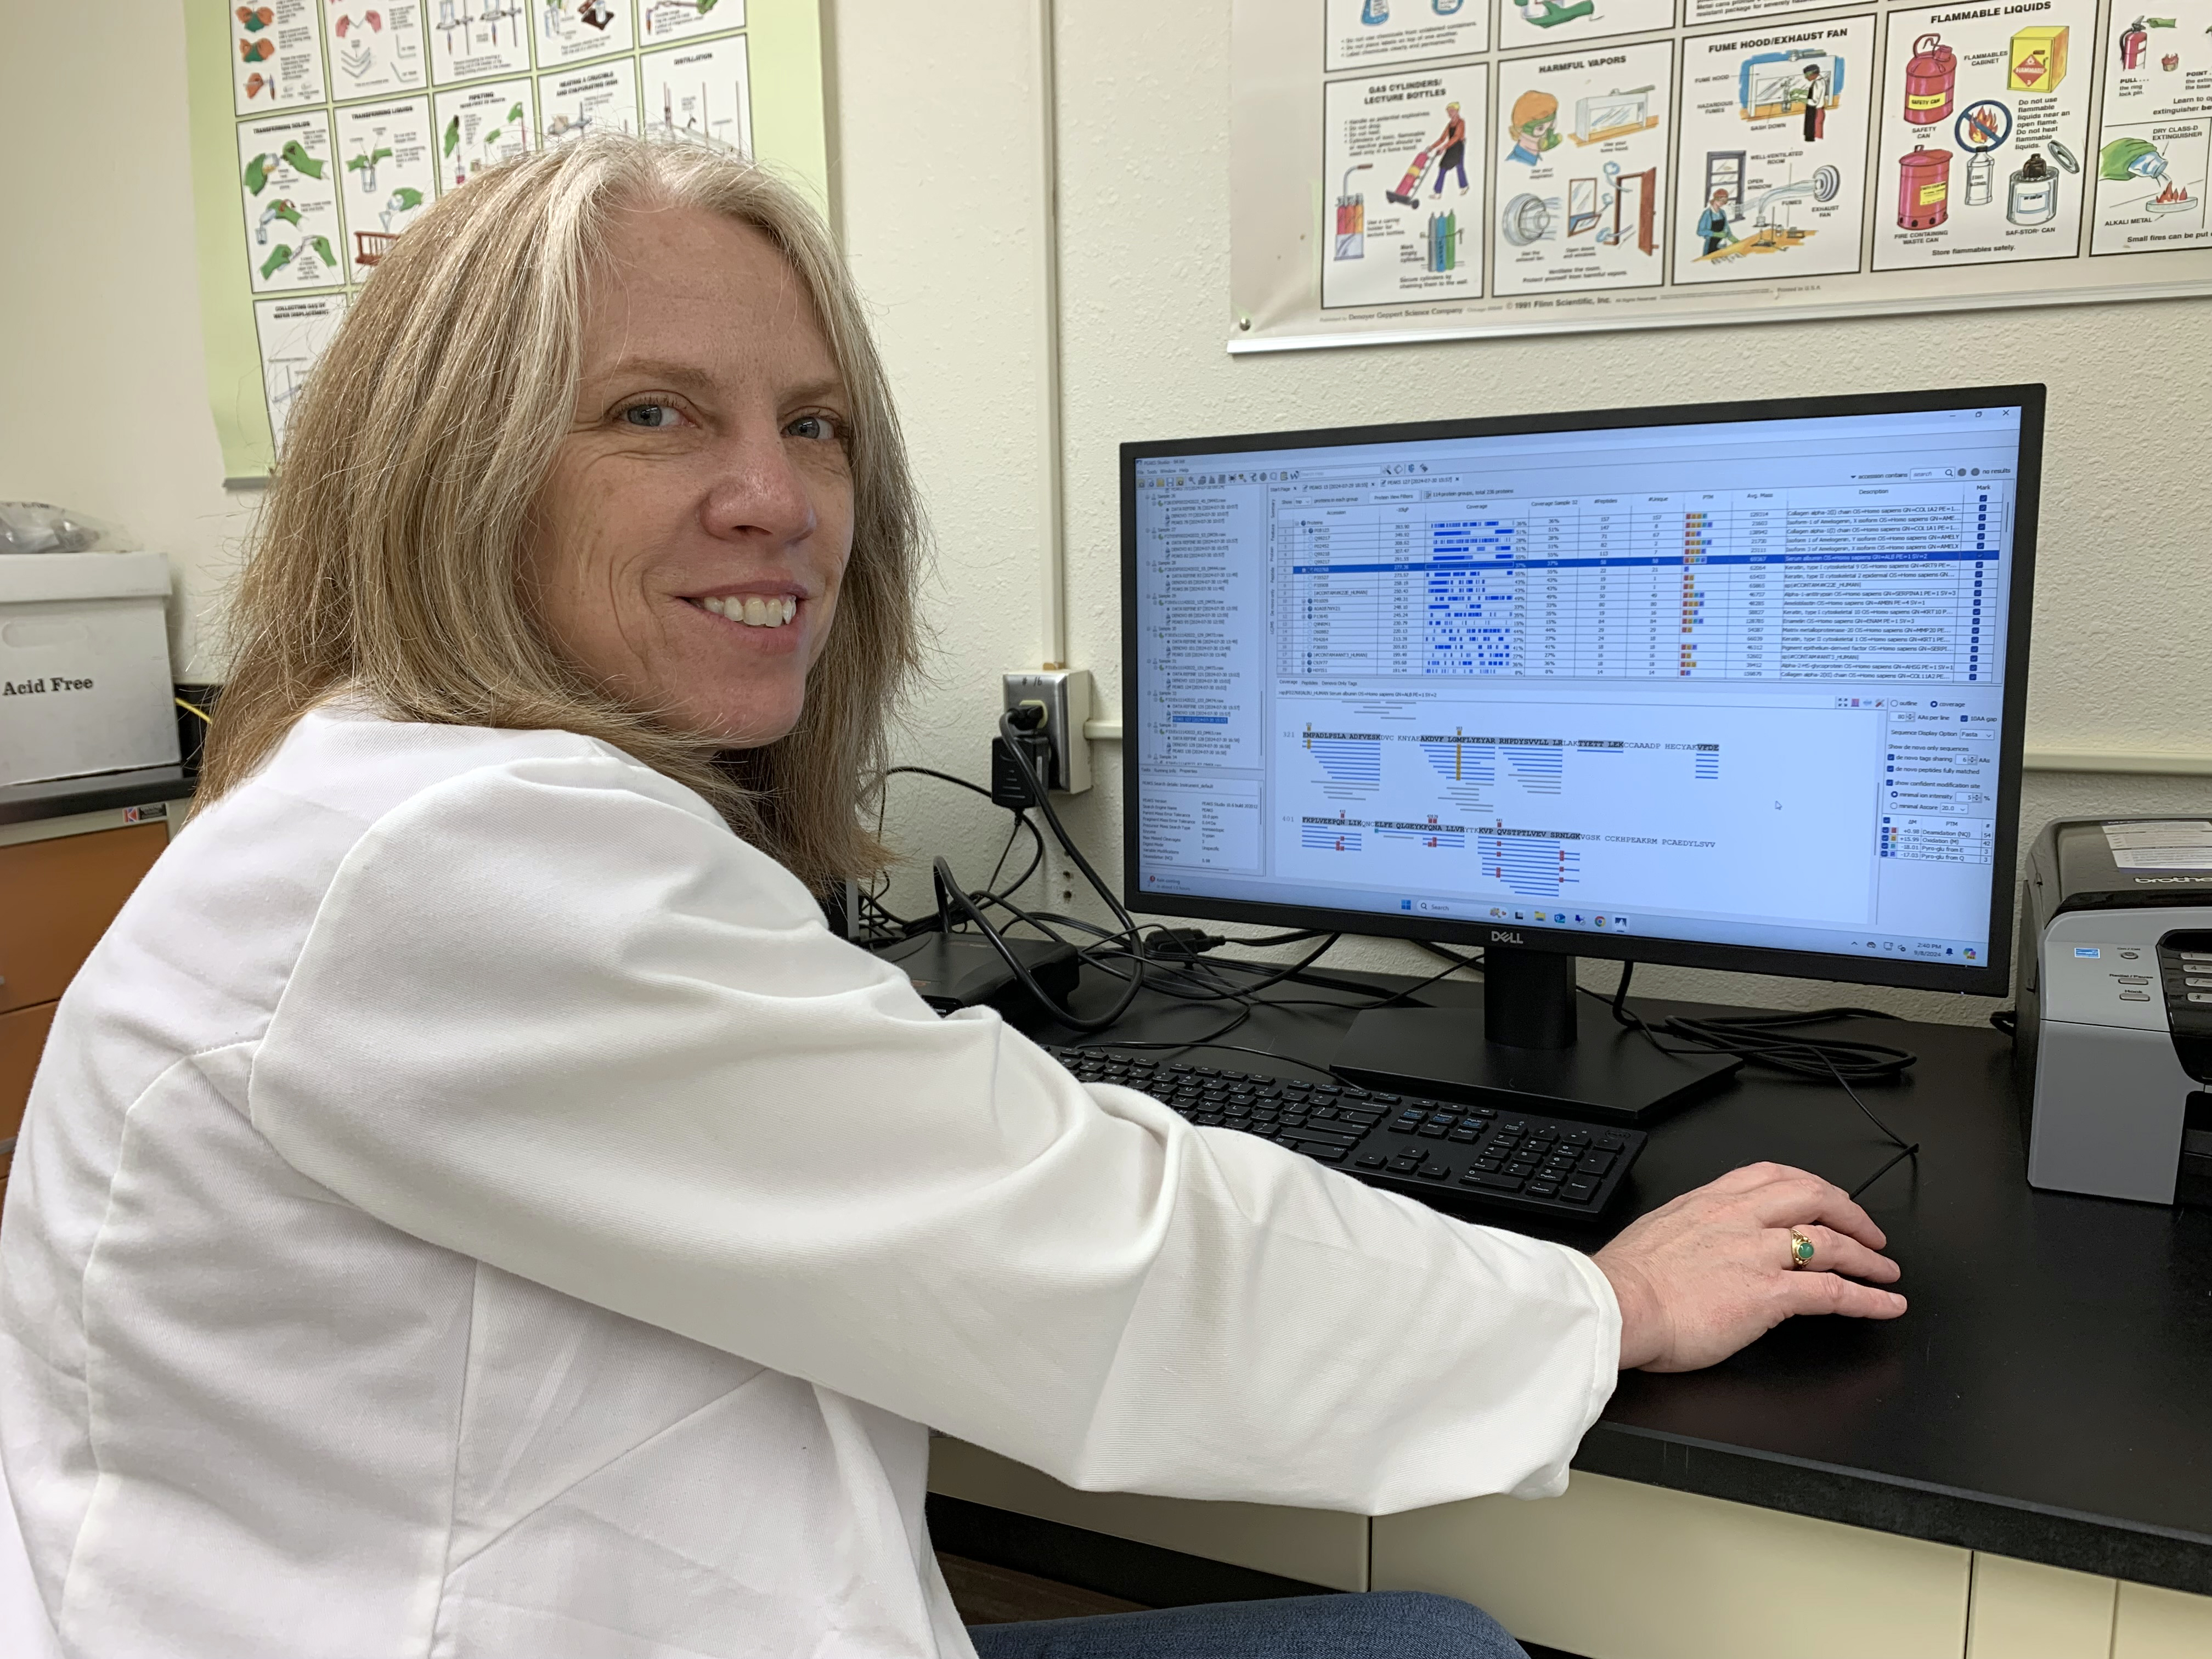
x,y
103,385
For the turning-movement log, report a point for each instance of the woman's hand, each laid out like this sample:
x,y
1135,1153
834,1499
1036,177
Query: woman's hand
x,y
1711,1272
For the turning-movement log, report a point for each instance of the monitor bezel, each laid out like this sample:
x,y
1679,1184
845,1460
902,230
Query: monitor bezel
x,y
1991,979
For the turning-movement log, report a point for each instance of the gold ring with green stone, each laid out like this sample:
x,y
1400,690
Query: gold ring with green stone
x,y
1801,1248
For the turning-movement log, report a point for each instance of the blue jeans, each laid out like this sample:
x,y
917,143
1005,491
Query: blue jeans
x,y
1383,1625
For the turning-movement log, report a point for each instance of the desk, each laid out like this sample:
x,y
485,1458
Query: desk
x,y
2046,1404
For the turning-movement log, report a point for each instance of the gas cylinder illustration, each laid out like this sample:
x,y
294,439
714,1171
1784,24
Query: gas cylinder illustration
x,y
1924,189
1931,78
1443,252
2033,198
2134,40
1351,216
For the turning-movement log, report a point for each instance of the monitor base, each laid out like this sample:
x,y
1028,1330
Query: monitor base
x,y
1610,1076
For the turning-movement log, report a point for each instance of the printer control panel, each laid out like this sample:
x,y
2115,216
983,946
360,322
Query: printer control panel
x,y
2184,971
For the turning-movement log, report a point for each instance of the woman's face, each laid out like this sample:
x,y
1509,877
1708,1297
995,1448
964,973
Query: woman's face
x,y
695,528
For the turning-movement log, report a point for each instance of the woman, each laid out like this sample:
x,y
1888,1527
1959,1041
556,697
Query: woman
x,y
470,1206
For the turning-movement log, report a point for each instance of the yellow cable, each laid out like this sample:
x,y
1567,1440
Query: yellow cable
x,y
193,708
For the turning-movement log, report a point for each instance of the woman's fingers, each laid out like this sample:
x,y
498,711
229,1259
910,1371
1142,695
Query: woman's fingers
x,y
1830,1293
1791,1198
1838,1253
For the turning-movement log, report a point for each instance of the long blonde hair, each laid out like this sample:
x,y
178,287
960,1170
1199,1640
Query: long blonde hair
x,y
389,557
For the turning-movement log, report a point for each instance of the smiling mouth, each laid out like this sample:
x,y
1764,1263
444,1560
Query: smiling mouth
x,y
753,609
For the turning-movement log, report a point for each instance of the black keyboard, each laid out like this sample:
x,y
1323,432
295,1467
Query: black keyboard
x,y
1427,1149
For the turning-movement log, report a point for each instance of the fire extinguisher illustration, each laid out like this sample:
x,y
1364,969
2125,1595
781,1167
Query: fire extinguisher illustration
x,y
1931,78
1924,188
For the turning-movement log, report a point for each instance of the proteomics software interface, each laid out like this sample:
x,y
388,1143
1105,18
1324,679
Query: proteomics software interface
x,y
1739,682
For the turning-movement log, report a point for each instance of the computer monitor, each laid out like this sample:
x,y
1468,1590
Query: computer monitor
x,y
1729,685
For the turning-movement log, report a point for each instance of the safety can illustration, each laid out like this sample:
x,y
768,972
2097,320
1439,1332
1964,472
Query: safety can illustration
x,y
2033,198
1374,12
1931,77
1924,189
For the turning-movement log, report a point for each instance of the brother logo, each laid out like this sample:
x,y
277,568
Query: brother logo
x,y
1502,936
2170,881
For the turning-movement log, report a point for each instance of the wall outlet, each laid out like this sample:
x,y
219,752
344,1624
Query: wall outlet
x,y
1065,695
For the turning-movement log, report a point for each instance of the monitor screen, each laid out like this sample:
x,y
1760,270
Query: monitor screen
x,y
1733,684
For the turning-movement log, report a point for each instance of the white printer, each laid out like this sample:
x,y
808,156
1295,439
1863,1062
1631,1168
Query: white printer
x,y
2115,1009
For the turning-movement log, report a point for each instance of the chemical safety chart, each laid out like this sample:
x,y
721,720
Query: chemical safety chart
x,y
1402,168
349,118
1477,679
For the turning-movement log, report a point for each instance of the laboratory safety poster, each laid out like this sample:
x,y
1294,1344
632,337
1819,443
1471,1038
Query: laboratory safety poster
x,y
1509,167
322,129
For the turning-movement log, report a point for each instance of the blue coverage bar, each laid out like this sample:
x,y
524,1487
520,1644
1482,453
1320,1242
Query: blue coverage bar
x,y
1463,566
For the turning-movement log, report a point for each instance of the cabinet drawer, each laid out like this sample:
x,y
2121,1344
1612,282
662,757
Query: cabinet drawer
x,y
22,1035
56,898
1616,1570
1315,1546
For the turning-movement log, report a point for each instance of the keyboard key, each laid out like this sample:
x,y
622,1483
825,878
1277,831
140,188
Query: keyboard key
x,y
1322,1154
1488,1165
1434,1172
1207,1120
1434,1132
1581,1191
1543,1190
1467,1137
1311,1136
1373,1161
1595,1163
1493,1183
1388,1100
1607,1142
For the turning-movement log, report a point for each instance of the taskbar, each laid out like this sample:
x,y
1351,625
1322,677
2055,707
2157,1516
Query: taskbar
x,y
1551,915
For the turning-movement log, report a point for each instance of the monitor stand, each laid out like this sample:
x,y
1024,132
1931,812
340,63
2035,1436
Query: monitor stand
x,y
1525,1048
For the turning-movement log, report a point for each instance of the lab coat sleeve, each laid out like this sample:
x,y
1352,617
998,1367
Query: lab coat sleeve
x,y
553,1016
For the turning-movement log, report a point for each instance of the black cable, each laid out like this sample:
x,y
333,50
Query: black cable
x,y
1745,1036
1757,1038
908,928
1015,736
951,896
1473,962
943,777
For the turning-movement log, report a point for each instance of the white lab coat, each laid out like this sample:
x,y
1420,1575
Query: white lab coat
x,y
471,1207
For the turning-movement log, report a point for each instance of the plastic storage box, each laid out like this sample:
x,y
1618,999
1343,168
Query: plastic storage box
x,y
84,665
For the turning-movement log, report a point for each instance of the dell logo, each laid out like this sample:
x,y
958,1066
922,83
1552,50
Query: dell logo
x,y
1500,936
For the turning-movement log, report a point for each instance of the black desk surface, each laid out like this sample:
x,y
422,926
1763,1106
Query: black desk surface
x,y
2048,1395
